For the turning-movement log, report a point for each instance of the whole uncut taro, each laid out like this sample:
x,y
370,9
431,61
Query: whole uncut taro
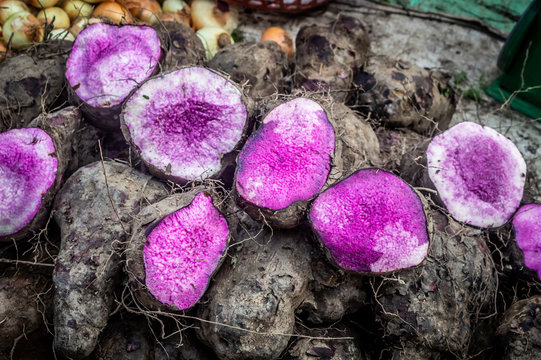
x,y
519,333
259,67
371,222
187,124
105,64
400,94
300,148
93,210
431,311
176,247
32,163
328,56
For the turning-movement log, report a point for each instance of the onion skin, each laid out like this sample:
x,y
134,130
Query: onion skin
x,y
41,4
78,26
113,11
61,34
144,10
3,52
10,7
281,37
77,9
23,29
205,13
55,15
213,39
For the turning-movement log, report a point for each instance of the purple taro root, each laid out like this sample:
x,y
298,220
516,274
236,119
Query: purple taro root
x,y
527,227
171,259
371,222
28,170
186,124
106,63
286,162
479,174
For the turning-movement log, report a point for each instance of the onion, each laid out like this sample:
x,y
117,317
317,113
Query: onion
x,y
97,1
207,13
179,16
113,11
56,16
145,10
81,24
42,4
3,51
173,5
281,37
61,34
214,39
23,29
9,7
77,8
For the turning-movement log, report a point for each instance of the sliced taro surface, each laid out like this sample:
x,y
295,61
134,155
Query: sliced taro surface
x,y
371,222
106,63
287,160
28,169
183,251
185,123
527,228
479,174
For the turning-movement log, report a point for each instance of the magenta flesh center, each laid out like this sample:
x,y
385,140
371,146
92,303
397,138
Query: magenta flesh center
x,y
288,159
371,222
479,174
527,227
27,170
183,251
107,62
184,121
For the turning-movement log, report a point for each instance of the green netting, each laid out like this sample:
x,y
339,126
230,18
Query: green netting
x,y
502,14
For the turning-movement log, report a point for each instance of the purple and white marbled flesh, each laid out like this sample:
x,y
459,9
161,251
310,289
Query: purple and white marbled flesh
x,y
527,227
183,251
288,159
27,170
371,222
479,174
182,122
107,62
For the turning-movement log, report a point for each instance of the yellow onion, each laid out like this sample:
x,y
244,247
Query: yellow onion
x,y
97,1
113,11
281,37
207,13
9,7
179,16
23,29
56,16
42,4
78,26
77,8
61,34
213,39
145,10
173,5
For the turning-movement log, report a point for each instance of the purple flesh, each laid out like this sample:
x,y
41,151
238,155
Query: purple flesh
x,y
184,121
107,62
527,226
27,170
288,159
479,174
183,251
371,222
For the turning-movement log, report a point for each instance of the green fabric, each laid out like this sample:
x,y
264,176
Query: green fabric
x,y
502,14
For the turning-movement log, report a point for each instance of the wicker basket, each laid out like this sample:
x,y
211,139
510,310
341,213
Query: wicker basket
x,y
285,6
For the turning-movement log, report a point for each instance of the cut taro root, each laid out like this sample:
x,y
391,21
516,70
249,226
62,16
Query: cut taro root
x,y
28,172
286,162
371,222
527,228
32,162
186,124
479,174
106,63
171,259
